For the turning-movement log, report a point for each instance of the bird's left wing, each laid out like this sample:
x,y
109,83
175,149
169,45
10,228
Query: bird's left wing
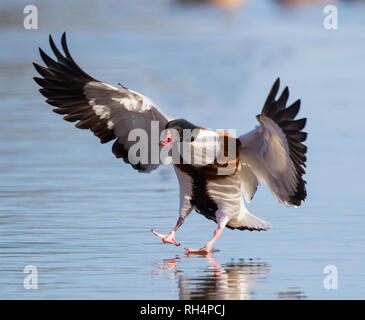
x,y
110,113
273,153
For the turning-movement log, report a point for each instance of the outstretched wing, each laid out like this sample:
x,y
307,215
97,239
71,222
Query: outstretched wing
x,y
110,113
273,153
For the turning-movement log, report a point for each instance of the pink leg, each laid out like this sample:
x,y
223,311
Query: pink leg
x,y
208,247
170,238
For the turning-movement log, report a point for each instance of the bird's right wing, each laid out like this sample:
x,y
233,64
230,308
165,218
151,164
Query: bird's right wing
x,y
273,153
110,113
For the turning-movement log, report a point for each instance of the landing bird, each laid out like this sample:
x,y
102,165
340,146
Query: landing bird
x,y
272,153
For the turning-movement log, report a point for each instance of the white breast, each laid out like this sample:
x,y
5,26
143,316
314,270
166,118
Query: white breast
x,y
227,194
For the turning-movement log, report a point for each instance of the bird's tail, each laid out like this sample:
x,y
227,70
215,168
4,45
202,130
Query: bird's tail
x,y
251,223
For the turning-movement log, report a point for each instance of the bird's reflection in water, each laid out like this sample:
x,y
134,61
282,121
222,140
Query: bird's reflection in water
x,y
169,265
233,280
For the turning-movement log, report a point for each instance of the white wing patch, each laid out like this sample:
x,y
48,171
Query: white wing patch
x,y
265,152
102,111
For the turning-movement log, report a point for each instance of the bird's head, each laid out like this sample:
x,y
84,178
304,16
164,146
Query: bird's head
x,y
179,130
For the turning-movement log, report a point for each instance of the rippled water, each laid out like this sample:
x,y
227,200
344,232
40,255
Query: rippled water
x,y
83,218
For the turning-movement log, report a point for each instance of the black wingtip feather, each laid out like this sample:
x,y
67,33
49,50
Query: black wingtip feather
x,y
271,96
284,116
293,124
281,103
64,46
55,50
39,81
50,63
